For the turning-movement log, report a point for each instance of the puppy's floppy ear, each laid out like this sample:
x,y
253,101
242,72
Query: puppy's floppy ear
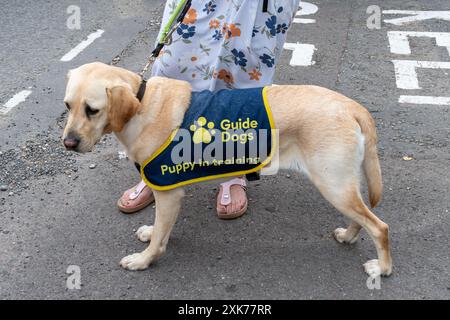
x,y
122,106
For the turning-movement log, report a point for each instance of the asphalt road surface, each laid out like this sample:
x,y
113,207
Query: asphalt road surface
x,y
58,209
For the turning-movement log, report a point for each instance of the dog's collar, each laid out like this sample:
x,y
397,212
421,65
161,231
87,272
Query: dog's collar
x,y
141,93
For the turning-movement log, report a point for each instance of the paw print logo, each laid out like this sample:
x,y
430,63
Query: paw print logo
x,y
203,131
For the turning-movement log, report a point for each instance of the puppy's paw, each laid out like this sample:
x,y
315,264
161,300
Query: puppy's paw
x,y
135,262
374,269
144,233
341,235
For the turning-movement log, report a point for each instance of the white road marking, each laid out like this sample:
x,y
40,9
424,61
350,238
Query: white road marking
x,y
442,101
82,46
306,9
399,43
406,75
414,16
304,21
302,54
15,101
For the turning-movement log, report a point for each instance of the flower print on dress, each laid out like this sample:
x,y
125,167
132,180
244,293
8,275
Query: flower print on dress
x,y
214,24
272,27
210,7
218,47
271,23
206,71
282,28
191,16
231,31
267,60
255,75
239,58
217,35
226,76
224,28
195,55
186,31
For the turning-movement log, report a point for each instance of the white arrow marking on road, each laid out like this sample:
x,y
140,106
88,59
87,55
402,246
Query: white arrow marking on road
x,y
15,101
442,101
415,16
83,45
399,43
406,75
302,54
306,9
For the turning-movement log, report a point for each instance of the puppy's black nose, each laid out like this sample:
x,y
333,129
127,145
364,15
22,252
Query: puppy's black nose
x,y
71,143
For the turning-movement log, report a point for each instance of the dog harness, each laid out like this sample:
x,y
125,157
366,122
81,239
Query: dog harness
x,y
223,134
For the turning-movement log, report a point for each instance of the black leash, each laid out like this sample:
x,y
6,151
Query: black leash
x,y
265,6
166,40
156,52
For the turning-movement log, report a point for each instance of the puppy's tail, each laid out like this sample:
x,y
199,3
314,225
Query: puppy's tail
x,y
371,163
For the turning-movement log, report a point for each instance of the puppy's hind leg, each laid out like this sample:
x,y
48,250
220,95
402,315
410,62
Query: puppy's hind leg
x,y
347,199
356,210
338,179
168,204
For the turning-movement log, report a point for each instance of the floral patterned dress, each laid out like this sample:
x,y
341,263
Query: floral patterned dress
x,y
226,44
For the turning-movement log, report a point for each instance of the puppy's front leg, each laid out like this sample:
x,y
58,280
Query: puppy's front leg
x,y
168,204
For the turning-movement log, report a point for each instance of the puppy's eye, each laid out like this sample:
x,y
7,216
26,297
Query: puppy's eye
x,y
67,105
90,111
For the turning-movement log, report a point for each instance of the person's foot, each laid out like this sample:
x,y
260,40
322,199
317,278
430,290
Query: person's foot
x,y
232,200
136,199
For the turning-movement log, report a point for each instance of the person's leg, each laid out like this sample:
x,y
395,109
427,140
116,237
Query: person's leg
x,y
265,29
195,57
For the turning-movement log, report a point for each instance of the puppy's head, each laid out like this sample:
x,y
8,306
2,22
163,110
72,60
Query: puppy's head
x,y
100,100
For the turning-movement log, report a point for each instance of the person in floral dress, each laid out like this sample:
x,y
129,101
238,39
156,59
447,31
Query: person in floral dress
x,y
221,44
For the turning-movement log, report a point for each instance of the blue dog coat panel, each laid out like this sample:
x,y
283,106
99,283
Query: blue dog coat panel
x,y
223,134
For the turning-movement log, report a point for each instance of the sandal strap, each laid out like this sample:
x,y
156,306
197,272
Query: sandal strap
x,y
139,188
226,189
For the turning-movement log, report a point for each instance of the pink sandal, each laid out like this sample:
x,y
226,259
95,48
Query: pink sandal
x,y
226,200
136,199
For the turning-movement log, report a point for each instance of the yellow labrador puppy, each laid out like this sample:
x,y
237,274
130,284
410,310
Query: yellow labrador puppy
x,y
327,136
